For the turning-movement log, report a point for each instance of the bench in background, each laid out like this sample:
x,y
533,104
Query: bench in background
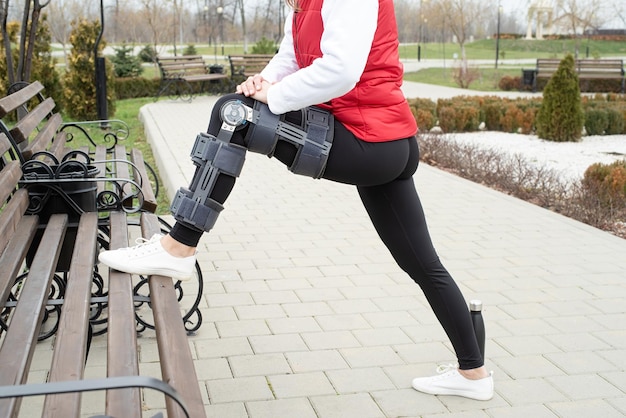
x,y
179,73
587,69
243,66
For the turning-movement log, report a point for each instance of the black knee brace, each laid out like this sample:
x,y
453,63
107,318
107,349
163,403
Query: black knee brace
x,y
216,155
313,137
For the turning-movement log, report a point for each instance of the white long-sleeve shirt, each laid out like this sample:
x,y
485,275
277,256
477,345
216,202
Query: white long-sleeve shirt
x,y
349,27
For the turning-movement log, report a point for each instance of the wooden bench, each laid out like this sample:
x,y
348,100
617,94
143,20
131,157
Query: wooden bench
x,y
587,69
25,288
242,66
180,72
118,179
82,295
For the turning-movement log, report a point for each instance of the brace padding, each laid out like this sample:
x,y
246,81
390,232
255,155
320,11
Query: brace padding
x,y
262,135
199,215
213,157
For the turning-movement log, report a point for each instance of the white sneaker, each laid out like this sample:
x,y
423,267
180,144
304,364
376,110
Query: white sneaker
x,y
149,257
451,382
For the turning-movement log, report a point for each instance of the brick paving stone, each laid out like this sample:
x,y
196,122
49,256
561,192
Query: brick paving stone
x,y
369,379
300,385
586,408
407,403
318,360
243,389
298,407
346,406
259,365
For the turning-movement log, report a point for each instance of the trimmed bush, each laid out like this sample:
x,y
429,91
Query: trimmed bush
x,y
561,117
596,121
608,182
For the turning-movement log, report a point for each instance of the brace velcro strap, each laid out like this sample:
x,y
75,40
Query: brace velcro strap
x,y
262,134
312,156
194,213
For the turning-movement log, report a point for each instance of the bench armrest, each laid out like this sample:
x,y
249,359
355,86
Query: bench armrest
x,y
91,385
110,131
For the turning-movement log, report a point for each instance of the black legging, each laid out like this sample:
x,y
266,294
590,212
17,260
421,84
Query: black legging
x,y
382,172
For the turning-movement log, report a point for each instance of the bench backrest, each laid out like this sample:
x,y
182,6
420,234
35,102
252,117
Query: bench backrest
x,y
248,64
37,122
608,67
183,65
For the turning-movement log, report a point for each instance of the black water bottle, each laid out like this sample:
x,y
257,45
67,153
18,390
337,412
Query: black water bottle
x,y
476,307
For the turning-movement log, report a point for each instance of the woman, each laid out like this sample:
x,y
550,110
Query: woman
x,y
342,55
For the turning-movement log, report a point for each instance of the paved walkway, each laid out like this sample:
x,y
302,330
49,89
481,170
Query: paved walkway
x,y
306,314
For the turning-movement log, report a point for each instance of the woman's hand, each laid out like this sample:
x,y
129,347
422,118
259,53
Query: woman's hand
x,y
256,87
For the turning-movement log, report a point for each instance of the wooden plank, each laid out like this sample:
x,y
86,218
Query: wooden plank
x,y
70,348
149,200
15,100
25,127
43,139
27,315
122,170
5,144
11,215
121,337
175,357
100,163
13,256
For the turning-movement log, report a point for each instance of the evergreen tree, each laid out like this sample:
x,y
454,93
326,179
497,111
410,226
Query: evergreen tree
x,y
560,117
79,82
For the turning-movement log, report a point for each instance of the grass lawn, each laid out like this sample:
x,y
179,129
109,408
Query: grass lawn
x,y
487,81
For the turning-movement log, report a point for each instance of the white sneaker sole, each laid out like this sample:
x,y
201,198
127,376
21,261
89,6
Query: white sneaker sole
x,y
174,274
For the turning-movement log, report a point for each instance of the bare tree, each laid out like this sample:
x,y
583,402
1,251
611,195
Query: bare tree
x,y
30,21
579,16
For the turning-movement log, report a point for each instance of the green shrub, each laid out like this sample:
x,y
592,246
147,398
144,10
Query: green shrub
x,y
560,117
147,54
616,124
190,50
265,46
130,88
125,64
596,121
79,85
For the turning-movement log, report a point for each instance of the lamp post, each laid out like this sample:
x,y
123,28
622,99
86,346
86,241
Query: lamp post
x,y
220,20
498,36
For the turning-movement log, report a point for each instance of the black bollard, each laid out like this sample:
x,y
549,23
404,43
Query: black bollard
x,y
476,307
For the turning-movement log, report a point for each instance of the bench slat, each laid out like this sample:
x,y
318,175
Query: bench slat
x,y
15,100
149,200
11,215
11,259
122,335
25,127
27,315
70,349
176,361
100,156
44,137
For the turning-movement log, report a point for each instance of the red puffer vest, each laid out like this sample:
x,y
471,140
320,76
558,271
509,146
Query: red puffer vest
x,y
375,110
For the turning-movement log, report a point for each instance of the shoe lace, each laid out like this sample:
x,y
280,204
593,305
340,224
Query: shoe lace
x,y
141,241
446,367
